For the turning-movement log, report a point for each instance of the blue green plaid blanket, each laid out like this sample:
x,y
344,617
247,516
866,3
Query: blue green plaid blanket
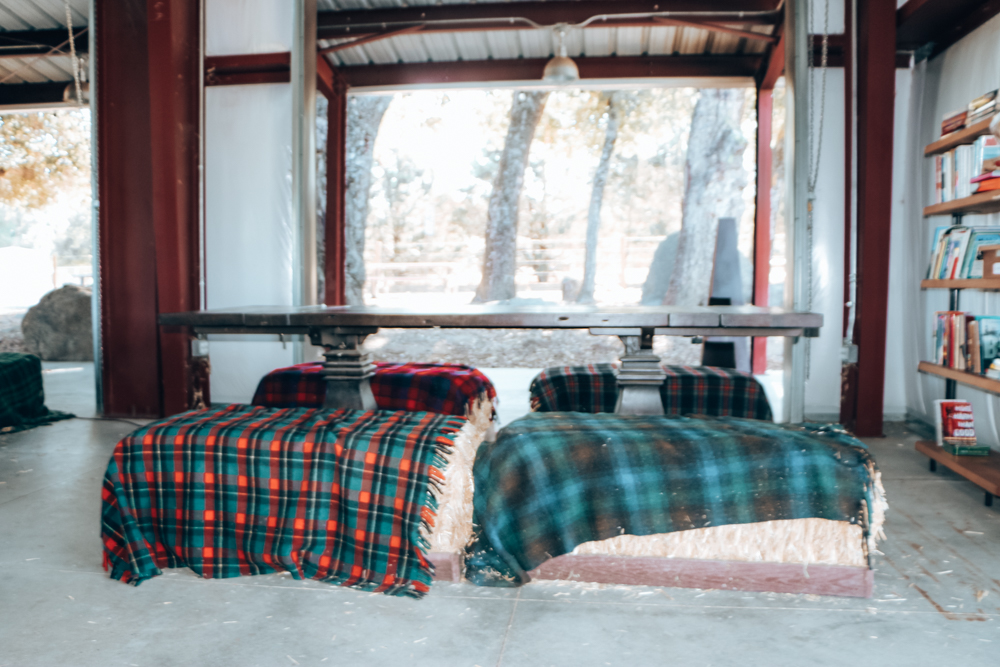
x,y
555,480
22,394
687,390
334,496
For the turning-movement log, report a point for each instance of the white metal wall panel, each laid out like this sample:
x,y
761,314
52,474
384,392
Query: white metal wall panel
x,y
249,230
598,42
662,41
631,41
472,46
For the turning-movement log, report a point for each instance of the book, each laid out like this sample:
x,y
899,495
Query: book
x,y
973,263
954,120
989,340
954,423
988,185
966,450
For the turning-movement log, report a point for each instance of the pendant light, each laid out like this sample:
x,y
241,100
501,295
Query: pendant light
x,y
561,69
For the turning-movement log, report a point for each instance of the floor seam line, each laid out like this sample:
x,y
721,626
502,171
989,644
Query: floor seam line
x,y
510,623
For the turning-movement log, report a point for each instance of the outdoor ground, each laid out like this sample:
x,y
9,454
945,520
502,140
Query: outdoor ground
x,y
936,600
11,339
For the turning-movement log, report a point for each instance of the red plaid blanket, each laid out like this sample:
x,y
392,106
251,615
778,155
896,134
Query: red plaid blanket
x,y
443,388
688,390
334,496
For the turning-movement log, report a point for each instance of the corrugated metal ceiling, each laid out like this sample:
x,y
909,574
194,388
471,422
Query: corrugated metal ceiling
x,y
539,43
18,15
41,14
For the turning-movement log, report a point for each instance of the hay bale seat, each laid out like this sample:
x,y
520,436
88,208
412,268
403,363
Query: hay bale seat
x,y
347,497
676,501
449,389
687,390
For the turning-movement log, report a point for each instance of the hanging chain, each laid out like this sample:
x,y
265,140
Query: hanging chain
x,y
72,54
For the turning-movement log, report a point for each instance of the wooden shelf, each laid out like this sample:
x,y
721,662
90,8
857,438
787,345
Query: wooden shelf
x,y
970,379
966,283
983,471
984,202
959,138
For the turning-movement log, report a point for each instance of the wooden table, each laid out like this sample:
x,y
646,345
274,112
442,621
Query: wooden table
x,y
341,331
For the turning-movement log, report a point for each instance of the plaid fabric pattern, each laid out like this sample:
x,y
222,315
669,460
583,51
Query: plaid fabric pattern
x,y
22,396
552,481
688,390
442,388
334,496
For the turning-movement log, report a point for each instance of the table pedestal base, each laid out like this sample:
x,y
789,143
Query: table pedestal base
x,y
640,377
347,369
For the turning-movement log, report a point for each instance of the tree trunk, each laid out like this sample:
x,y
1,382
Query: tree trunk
x,y
364,115
500,256
713,188
596,199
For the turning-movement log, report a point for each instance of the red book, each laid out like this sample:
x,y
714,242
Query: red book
x,y
988,185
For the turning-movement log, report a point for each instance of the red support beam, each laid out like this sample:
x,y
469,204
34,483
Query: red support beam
x,y
249,68
454,17
127,246
174,62
876,51
762,219
473,71
336,185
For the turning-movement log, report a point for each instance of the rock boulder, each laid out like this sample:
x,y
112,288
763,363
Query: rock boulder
x,y
58,328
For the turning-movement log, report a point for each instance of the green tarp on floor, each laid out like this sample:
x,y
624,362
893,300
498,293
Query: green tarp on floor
x,y
22,397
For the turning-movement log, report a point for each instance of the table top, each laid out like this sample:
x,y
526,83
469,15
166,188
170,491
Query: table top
x,y
288,319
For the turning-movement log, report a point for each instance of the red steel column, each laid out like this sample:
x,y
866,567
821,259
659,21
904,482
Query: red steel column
x,y
762,219
174,84
336,162
876,49
127,248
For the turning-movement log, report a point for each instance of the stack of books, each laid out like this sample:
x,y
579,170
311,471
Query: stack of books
x,y
966,342
956,428
968,169
978,109
955,251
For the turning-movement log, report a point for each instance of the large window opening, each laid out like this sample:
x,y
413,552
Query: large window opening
x,y
45,229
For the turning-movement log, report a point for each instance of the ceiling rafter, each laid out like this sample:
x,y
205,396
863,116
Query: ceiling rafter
x,y
533,15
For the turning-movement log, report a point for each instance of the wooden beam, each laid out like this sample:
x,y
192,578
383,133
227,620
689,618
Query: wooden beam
x,y
876,49
336,186
34,43
486,71
174,115
248,69
527,15
940,23
762,219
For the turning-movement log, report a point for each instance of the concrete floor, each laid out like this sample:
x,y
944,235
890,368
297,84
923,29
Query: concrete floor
x,y
936,602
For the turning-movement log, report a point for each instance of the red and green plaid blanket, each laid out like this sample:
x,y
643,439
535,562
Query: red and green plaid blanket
x,y
447,389
555,480
334,496
688,390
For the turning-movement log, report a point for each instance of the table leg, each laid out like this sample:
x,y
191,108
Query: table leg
x,y
640,377
347,369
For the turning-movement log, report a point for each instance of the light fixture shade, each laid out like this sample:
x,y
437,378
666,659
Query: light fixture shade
x,y
561,69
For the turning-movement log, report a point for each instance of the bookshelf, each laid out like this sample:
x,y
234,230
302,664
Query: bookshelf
x,y
983,202
961,377
982,471
960,138
985,284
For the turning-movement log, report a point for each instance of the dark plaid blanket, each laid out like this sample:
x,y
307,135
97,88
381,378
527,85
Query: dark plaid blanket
x,y
552,481
334,496
443,388
688,390
22,396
